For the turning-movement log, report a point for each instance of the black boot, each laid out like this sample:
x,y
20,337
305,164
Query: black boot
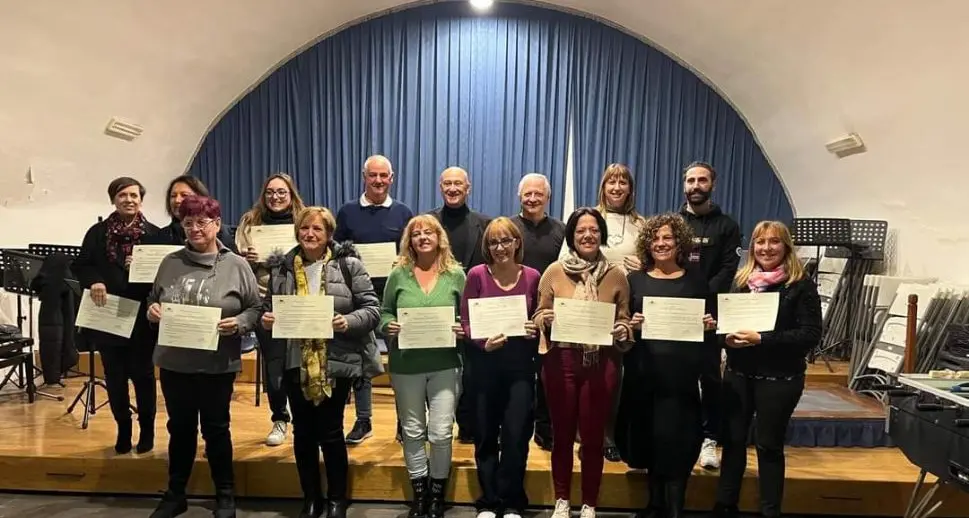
x,y
675,498
146,436
656,507
123,444
225,504
170,506
313,507
724,511
435,507
418,507
337,509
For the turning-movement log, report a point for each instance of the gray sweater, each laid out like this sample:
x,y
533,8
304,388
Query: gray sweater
x,y
224,280
352,354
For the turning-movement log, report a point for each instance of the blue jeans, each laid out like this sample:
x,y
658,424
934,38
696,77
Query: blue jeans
x,y
425,408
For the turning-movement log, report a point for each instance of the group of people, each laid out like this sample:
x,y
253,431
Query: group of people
x,y
653,404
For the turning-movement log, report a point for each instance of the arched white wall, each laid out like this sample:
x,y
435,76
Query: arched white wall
x,y
802,73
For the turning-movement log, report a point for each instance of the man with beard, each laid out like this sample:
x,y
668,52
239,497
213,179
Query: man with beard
x,y
465,229
542,238
374,218
716,254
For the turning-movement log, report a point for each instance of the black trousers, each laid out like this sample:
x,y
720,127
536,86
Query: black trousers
x,y
319,428
465,413
543,423
193,400
130,362
503,401
773,402
273,354
710,392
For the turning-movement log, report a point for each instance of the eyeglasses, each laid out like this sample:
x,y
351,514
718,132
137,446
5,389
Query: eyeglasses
x,y
278,193
198,225
503,243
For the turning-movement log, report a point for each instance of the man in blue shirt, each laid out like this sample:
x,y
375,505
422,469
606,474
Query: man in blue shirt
x,y
374,218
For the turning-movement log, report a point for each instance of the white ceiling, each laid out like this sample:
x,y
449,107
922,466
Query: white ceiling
x,y
801,72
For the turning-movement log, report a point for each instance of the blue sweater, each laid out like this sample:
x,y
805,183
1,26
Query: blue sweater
x,y
373,224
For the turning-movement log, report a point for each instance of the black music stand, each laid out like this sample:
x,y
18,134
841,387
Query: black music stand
x,y
88,391
19,269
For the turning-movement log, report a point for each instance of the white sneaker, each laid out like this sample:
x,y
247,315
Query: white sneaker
x,y
487,514
562,509
511,515
587,512
708,455
277,435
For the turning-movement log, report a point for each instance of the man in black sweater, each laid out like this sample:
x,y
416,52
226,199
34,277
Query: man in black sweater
x,y
465,229
542,237
716,253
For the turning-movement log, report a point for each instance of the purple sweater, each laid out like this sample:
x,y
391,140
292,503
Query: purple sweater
x,y
481,284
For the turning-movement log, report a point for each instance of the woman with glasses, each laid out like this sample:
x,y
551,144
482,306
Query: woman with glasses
x,y
505,373
102,268
278,202
197,381
426,379
580,379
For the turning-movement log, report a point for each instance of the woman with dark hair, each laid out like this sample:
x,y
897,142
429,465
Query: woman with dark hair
x,y
659,426
180,188
102,268
764,375
319,373
278,203
197,384
580,379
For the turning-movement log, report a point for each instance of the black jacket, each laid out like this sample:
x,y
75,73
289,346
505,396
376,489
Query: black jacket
x,y
92,266
55,318
716,247
466,247
783,351
174,234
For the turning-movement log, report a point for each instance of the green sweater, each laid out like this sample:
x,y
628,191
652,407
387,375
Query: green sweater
x,y
403,291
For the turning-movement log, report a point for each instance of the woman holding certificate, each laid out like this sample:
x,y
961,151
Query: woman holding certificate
x,y
506,371
765,369
420,302
583,311
102,267
660,427
264,230
320,371
204,299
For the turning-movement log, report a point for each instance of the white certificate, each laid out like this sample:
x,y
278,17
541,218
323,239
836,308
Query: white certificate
x,y
299,317
493,316
426,328
267,239
378,258
145,260
675,319
583,321
746,312
189,327
117,316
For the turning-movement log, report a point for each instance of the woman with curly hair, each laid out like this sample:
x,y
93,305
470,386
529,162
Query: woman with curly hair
x,y
426,379
660,426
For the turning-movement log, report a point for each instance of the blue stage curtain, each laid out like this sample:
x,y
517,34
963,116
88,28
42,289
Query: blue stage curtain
x,y
635,105
429,87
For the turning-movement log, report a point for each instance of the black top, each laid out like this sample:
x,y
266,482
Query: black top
x,y
92,266
465,229
716,247
542,241
783,352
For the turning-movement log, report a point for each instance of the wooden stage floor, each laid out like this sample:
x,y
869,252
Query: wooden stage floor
x,y
44,449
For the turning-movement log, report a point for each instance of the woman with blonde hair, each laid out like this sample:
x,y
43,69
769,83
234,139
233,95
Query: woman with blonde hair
x,y
764,375
505,373
278,203
617,204
426,379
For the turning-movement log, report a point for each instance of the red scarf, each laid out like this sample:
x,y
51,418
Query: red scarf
x,y
760,280
122,237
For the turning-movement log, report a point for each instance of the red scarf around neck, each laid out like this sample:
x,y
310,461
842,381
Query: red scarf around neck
x,y
122,237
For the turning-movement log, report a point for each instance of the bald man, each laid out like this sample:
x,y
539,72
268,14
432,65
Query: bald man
x,y
374,218
465,229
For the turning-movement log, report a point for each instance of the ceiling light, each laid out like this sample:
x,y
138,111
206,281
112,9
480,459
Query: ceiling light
x,y
481,5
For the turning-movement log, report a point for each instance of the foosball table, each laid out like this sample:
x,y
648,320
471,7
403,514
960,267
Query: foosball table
x,y
928,419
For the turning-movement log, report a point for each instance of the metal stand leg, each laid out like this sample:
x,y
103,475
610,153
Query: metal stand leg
x,y
258,374
918,506
88,393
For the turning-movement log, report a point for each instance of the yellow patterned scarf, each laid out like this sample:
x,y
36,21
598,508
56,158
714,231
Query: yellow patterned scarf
x,y
313,375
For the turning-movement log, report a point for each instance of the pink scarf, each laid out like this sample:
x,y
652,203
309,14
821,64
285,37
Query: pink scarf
x,y
760,280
